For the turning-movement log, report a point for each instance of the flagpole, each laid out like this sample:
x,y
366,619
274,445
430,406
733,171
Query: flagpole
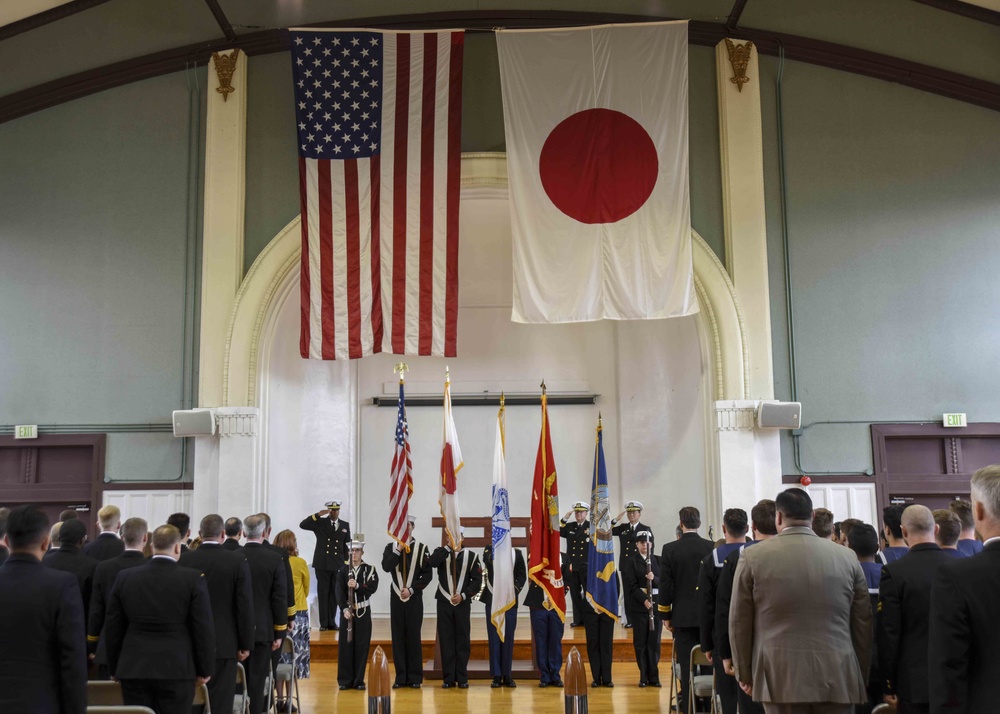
x,y
454,558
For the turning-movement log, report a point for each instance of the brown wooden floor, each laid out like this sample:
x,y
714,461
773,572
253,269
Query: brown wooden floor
x,y
320,694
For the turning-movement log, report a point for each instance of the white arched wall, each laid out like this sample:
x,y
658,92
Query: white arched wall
x,y
320,437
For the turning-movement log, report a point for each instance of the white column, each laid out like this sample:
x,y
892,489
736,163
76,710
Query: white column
x,y
227,481
741,143
749,458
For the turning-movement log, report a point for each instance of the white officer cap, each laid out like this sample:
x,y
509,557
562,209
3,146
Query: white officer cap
x,y
644,536
633,506
333,505
581,506
412,520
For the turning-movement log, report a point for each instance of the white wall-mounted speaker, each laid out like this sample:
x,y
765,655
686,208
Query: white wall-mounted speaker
x,y
779,415
194,422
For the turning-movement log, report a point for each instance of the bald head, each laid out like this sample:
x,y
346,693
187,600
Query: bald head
x,y
917,524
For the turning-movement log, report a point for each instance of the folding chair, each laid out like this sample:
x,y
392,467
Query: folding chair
x,y
241,704
201,699
270,704
700,685
131,709
104,694
286,672
884,709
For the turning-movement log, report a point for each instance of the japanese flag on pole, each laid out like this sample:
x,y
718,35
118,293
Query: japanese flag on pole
x,y
597,158
451,464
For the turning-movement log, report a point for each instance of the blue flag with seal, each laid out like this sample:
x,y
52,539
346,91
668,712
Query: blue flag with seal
x,y
602,583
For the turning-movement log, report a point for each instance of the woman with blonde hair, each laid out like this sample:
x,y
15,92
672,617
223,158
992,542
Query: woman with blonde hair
x,y
300,628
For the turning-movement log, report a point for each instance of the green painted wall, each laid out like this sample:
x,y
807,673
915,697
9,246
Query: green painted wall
x,y
95,212
272,191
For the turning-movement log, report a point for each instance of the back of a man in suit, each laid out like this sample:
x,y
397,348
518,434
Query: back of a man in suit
x,y
108,543
70,559
43,660
159,630
289,580
267,575
800,622
680,563
904,607
134,535
234,531
4,551
964,658
229,589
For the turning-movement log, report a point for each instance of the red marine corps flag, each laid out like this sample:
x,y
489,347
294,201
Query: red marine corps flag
x,y
544,562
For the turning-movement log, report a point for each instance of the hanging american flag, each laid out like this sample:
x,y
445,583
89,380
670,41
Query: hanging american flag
x,y
379,128
401,477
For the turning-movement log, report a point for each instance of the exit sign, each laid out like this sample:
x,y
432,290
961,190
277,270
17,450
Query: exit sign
x,y
26,431
955,420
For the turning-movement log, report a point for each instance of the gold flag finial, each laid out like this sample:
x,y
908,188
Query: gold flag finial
x,y
543,387
401,368
600,421
447,374
501,399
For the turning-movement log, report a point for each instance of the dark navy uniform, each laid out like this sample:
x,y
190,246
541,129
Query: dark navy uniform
x,y
723,600
577,537
267,579
626,548
104,579
105,547
680,562
454,625
160,634
331,554
708,589
502,653
43,661
352,657
229,590
645,641
70,559
548,629
410,570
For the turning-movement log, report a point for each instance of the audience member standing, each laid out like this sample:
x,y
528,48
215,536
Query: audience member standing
x,y
892,532
964,658
409,574
161,638
680,562
43,662
904,604
70,559
822,525
967,542
863,540
182,522
234,531
4,552
267,578
791,657
734,528
947,531
298,631
333,537
229,590
762,518
108,543
289,579
134,536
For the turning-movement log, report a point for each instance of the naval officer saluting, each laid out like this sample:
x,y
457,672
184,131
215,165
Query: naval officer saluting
x,y
333,537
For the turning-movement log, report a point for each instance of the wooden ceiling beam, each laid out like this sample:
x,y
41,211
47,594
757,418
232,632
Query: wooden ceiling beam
x,y
802,49
33,22
973,12
220,17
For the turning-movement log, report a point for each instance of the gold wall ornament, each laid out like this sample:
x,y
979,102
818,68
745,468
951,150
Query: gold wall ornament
x,y
225,65
739,57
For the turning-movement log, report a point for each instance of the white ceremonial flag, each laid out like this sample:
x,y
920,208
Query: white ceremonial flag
x,y
451,464
504,596
596,123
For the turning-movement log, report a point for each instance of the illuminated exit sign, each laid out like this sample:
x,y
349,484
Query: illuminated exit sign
x,y
25,431
955,420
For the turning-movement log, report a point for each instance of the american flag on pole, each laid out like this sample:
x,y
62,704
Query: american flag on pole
x,y
400,477
379,128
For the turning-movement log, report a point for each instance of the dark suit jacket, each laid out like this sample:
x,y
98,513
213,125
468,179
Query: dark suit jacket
x,y
520,576
69,559
289,581
903,623
634,583
680,561
3,554
231,544
964,659
332,542
469,583
43,660
104,580
159,623
229,590
267,577
723,601
105,547
709,575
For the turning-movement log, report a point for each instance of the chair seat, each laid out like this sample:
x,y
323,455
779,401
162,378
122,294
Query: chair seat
x,y
702,685
283,672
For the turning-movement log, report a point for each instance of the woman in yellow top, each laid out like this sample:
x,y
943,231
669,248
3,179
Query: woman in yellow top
x,y
299,631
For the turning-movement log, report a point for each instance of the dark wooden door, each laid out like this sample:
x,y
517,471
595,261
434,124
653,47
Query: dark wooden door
x,y
54,472
928,463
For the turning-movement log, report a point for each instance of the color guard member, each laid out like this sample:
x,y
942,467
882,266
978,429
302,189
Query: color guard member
x,y
642,583
460,576
356,583
409,573
502,653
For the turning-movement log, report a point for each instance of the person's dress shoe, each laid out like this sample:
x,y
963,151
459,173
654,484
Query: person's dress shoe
x,y
359,686
595,684
543,685
557,683
414,686
333,627
608,684
655,684
509,682
446,686
642,684
627,625
496,683
396,685
343,687
463,685
576,624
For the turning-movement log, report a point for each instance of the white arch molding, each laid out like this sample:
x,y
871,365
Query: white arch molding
x,y
273,276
